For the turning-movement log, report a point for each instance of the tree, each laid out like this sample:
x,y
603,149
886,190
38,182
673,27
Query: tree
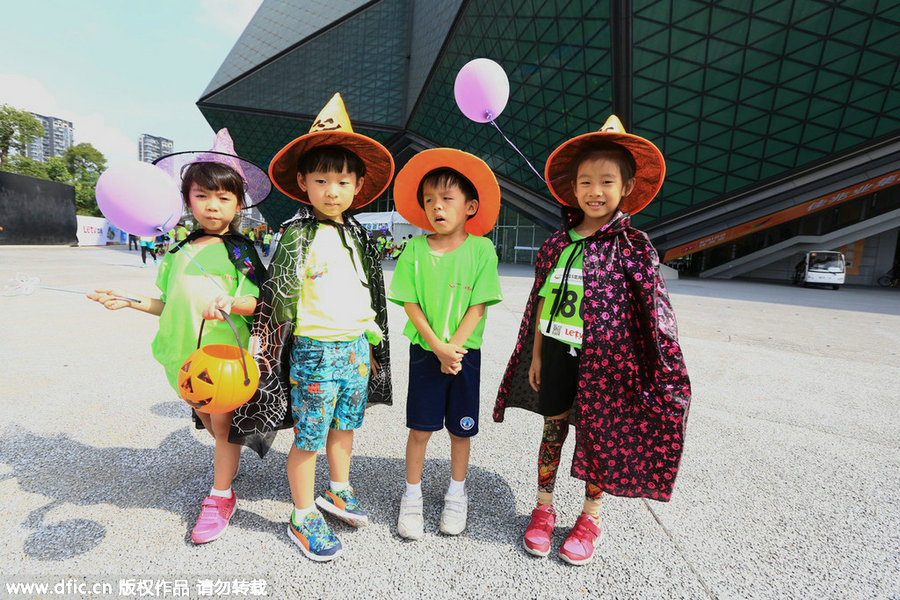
x,y
18,128
22,165
57,170
85,163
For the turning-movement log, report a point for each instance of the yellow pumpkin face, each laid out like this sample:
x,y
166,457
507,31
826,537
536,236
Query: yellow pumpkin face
x,y
212,379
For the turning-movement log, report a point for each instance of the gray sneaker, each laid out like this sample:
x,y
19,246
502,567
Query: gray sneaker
x,y
453,517
410,523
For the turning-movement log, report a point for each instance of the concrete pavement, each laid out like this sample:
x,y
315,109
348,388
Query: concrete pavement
x,y
788,486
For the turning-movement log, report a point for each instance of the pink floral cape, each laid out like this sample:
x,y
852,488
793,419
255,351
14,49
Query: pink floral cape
x,y
633,395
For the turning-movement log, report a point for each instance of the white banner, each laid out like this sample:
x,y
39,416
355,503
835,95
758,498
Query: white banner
x,y
97,231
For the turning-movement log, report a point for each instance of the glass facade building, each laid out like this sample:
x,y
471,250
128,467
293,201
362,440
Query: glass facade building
x,y
757,105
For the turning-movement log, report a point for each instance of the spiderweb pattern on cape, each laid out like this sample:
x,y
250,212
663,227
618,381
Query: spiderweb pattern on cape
x,y
271,338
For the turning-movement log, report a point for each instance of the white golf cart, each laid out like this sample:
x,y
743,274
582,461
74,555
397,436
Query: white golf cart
x,y
822,267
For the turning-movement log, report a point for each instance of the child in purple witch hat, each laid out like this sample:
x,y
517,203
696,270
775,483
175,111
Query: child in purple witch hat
x,y
213,268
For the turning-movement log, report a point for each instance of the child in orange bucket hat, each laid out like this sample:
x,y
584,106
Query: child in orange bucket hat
x,y
445,281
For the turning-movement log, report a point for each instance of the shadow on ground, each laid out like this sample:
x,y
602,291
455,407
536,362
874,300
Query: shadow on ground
x,y
177,474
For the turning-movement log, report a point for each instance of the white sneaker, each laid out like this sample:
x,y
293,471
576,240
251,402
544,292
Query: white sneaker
x,y
410,523
453,517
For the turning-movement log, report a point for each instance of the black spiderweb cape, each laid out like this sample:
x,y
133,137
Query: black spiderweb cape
x,y
271,339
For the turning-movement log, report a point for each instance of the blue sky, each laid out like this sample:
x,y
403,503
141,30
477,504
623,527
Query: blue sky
x,y
118,68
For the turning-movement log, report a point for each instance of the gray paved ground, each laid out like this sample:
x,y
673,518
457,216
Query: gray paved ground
x,y
788,487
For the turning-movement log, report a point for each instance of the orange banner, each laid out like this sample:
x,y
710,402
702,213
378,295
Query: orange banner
x,y
853,255
789,214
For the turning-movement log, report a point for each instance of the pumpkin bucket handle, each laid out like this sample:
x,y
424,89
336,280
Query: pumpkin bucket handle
x,y
236,336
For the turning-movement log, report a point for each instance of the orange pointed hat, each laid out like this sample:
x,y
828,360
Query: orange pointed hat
x,y
648,176
332,128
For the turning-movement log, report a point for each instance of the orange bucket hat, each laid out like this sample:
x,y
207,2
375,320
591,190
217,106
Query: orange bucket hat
x,y
406,187
332,128
648,177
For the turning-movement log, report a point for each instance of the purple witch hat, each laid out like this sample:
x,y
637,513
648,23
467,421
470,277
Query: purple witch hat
x,y
256,181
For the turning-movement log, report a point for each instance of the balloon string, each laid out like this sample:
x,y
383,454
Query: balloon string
x,y
206,274
492,122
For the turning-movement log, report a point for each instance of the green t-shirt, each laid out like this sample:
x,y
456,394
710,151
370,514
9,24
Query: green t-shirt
x,y
187,290
446,285
568,316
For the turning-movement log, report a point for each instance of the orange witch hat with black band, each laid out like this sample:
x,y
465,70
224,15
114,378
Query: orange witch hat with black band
x,y
648,176
332,128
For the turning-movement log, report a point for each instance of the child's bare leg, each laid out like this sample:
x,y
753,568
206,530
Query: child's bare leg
x,y
415,455
593,496
460,448
556,429
453,517
301,472
207,422
217,508
227,455
410,523
338,448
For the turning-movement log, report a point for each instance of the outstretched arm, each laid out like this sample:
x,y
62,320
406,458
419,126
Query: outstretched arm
x,y
114,299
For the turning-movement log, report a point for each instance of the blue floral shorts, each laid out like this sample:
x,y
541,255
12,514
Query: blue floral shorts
x,y
328,388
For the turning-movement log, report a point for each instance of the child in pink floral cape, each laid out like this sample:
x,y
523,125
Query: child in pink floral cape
x,y
598,344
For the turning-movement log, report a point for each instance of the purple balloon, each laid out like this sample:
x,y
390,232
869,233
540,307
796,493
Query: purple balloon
x,y
481,90
139,198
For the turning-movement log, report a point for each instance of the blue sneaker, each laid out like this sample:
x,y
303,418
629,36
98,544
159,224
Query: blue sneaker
x,y
315,538
344,506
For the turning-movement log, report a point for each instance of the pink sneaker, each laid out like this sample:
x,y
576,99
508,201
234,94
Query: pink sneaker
x,y
214,514
540,530
578,549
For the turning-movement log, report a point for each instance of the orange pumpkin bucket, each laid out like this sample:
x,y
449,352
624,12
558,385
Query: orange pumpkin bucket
x,y
218,378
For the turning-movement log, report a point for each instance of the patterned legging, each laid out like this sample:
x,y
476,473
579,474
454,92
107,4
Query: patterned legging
x,y
554,435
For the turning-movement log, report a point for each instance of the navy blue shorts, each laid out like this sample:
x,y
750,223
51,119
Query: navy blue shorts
x,y
436,399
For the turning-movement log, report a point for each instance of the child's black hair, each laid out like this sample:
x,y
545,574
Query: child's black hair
x,y
213,176
331,159
614,152
443,178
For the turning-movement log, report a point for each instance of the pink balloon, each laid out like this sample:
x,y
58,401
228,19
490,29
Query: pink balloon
x,y
481,90
139,198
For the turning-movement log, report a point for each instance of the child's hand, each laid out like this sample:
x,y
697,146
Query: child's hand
x,y
223,302
450,356
534,373
451,370
110,298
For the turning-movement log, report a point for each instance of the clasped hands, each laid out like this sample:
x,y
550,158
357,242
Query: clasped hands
x,y
450,356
